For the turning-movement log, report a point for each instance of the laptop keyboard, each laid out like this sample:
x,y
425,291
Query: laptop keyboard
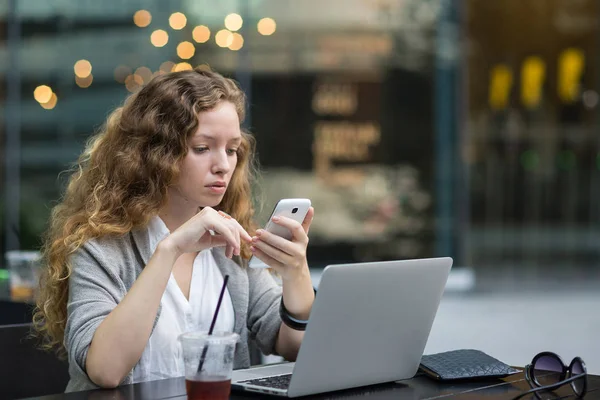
x,y
277,382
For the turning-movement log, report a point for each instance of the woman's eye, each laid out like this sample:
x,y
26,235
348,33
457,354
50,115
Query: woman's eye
x,y
200,149
231,151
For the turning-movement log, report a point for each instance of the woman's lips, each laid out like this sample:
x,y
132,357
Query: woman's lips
x,y
216,189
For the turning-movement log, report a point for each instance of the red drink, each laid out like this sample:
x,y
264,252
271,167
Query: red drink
x,y
208,390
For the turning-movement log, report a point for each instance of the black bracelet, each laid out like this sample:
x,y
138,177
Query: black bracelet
x,y
286,318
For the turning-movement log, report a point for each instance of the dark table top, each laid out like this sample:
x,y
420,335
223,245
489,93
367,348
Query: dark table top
x,y
420,387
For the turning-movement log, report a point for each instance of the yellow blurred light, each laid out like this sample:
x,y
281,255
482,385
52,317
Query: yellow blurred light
x,y
224,38
533,73
51,103
233,22
82,68
121,73
133,82
84,82
167,66
185,50
201,34
142,18
237,42
145,73
182,66
42,94
177,20
501,78
570,67
266,26
159,38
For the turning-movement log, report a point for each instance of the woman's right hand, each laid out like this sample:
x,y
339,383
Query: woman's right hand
x,y
195,235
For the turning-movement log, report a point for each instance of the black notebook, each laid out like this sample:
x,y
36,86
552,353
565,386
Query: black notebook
x,y
464,364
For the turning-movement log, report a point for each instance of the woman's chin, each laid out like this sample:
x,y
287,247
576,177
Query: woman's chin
x,y
211,201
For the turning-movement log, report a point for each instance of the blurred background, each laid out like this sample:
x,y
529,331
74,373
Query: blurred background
x,y
418,128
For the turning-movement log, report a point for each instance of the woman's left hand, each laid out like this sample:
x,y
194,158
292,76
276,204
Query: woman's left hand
x,y
287,257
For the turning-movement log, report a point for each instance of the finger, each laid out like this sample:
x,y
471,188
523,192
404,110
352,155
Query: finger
x,y
233,228
297,230
236,233
274,253
308,219
276,241
229,251
220,226
218,240
270,261
243,233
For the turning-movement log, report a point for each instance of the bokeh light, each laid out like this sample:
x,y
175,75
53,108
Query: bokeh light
x,y
224,38
182,66
167,66
145,73
42,93
159,38
186,50
177,21
233,22
84,82
530,160
266,26
82,68
142,18
201,34
51,103
237,42
133,82
204,67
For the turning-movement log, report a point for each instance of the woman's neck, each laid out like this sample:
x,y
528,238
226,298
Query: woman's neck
x,y
174,221
177,212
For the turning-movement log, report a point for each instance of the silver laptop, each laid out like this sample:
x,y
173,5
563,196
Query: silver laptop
x,y
369,324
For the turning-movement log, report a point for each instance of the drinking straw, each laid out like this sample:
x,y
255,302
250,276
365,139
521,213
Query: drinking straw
x,y
214,320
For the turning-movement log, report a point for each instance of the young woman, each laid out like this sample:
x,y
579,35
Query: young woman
x,y
157,213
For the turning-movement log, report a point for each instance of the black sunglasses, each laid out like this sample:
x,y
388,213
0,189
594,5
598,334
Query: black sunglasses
x,y
547,371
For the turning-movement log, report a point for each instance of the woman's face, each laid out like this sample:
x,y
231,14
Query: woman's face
x,y
212,157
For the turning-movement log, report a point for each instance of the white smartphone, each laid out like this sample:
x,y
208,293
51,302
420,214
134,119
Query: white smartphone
x,y
295,209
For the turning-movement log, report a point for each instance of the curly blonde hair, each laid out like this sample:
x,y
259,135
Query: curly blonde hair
x,y
120,181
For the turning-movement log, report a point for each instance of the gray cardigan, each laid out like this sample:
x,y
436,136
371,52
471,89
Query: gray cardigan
x,y
103,271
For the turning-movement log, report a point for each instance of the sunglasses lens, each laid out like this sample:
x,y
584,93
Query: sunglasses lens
x,y
547,370
578,385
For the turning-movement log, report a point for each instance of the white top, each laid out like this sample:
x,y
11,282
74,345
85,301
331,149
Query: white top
x,y
162,356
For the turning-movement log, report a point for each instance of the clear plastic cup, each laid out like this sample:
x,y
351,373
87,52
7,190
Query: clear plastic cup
x,y
24,268
208,363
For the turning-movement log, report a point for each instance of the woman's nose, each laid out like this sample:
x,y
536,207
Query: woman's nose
x,y
221,163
